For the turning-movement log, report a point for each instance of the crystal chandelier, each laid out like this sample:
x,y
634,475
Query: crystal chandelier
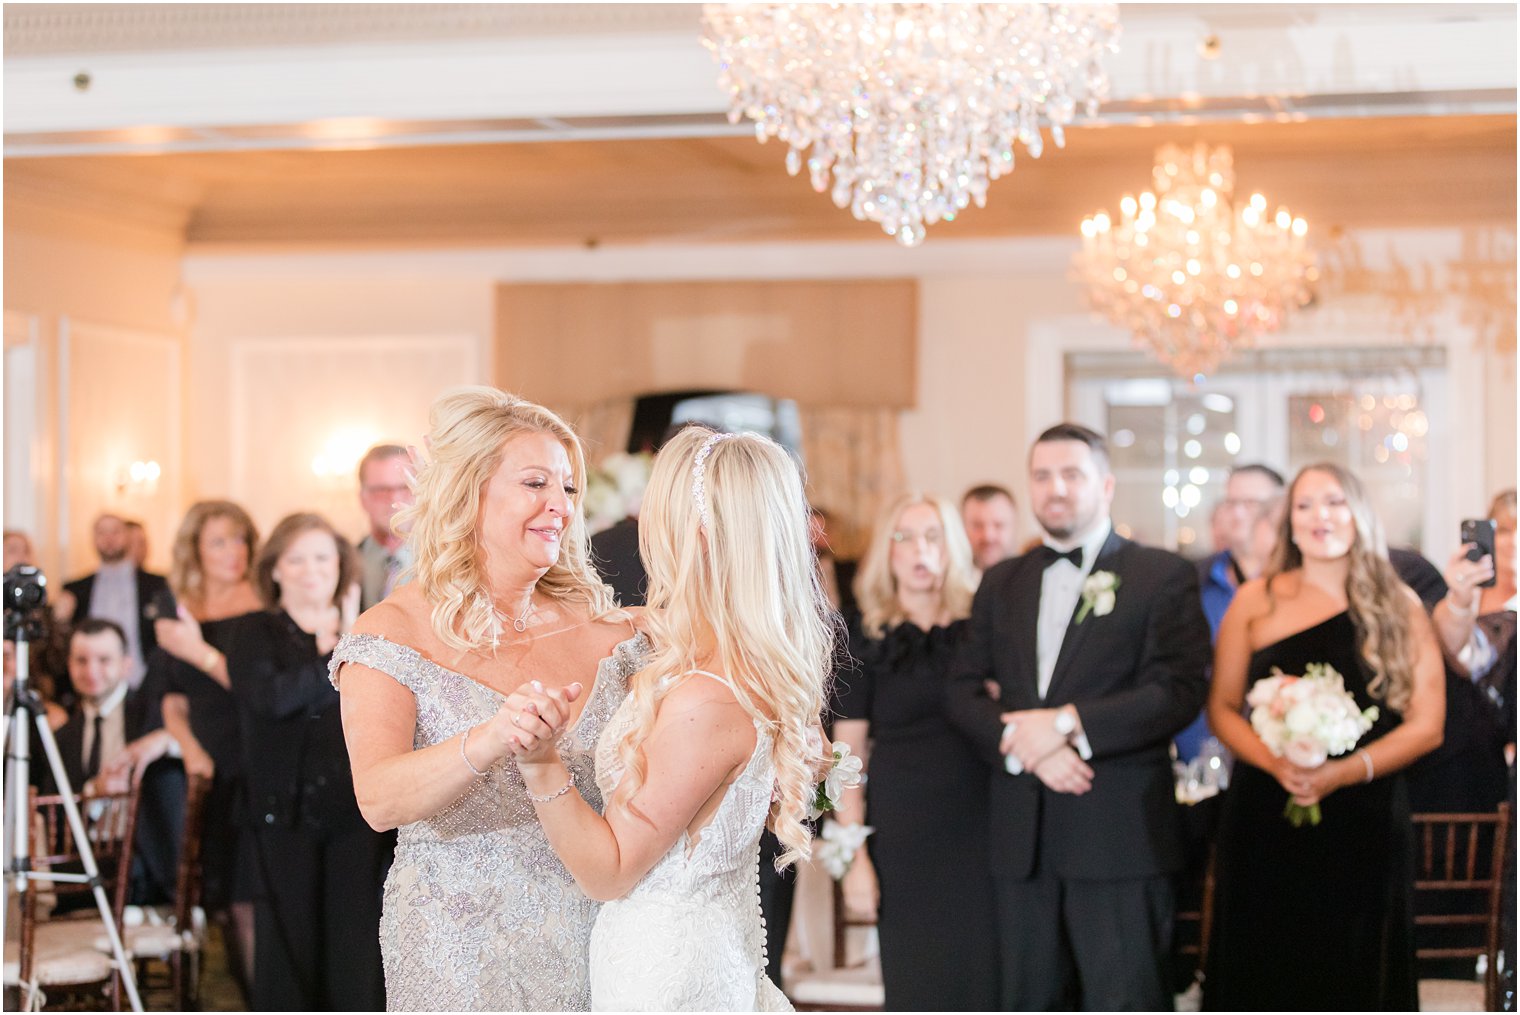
x,y
1190,276
912,109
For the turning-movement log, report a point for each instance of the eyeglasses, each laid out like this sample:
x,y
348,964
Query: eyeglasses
x,y
933,537
392,491
1234,503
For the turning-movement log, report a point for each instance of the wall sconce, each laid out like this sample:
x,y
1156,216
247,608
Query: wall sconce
x,y
138,479
338,461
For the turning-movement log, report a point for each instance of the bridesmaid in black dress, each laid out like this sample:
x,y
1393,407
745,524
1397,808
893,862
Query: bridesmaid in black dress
x,y
926,795
1319,917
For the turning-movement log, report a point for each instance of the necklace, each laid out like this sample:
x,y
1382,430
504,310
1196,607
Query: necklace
x,y
520,622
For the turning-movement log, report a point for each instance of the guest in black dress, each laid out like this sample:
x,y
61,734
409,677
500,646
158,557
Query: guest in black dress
x,y
1319,917
212,584
319,868
926,795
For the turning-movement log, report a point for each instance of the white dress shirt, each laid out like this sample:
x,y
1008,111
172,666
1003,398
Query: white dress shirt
x,y
1060,591
113,596
113,727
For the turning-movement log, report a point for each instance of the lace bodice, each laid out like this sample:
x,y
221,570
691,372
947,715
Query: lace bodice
x,y
689,936
479,912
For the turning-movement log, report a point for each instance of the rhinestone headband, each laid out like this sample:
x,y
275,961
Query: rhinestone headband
x,y
699,475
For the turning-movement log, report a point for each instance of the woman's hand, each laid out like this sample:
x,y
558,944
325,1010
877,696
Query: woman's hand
x,y
348,608
531,719
861,892
181,638
197,761
1463,578
1312,785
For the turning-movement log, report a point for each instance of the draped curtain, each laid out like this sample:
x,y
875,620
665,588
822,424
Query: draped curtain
x,y
854,465
603,426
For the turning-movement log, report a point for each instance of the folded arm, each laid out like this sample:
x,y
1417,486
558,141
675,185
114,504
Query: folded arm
x,y
967,705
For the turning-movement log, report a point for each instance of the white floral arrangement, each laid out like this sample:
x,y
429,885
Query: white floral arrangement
x,y
615,489
1099,593
840,844
844,773
1307,720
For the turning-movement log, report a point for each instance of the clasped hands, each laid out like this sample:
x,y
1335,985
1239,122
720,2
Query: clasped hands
x,y
1308,786
1031,737
530,720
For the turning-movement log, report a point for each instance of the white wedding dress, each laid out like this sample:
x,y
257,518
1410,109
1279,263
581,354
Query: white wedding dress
x,y
689,936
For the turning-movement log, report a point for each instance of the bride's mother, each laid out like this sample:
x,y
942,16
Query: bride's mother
x,y
479,913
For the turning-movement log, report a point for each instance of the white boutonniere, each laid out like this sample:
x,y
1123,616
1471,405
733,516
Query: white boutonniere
x,y
1098,595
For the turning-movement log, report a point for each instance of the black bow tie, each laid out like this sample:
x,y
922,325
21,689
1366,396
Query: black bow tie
x,y
1048,555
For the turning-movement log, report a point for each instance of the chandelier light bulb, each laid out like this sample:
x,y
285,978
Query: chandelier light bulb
x,y
1200,279
906,113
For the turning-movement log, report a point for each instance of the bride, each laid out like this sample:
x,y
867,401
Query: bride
x,y
715,736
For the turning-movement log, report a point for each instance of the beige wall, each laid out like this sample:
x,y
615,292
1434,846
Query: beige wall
x,y
103,305
286,367
288,352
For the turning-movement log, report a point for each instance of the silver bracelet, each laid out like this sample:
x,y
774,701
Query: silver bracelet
x,y
1467,614
467,762
567,787
1366,760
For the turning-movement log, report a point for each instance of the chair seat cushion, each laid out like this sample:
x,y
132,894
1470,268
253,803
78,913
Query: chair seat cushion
x,y
64,954
859,987
1451,995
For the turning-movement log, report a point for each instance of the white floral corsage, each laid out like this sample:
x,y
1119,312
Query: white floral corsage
x,y
844,773
1098,595
840,844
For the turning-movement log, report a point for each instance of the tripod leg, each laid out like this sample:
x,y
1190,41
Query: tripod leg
x,y
87,855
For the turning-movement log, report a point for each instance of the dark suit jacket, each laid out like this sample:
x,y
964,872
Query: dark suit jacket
x,y
615,555
152,589
160,808
1136,677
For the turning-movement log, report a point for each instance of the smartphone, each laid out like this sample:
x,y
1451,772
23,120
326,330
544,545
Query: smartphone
x,y
1480,533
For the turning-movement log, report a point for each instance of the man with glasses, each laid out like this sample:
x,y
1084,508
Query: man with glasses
x,y
1250,491
383,491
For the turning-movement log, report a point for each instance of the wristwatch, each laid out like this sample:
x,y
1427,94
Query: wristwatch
x,y
1065,722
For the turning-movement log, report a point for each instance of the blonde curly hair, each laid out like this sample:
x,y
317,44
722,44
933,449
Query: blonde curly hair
x,y
467,429
747,582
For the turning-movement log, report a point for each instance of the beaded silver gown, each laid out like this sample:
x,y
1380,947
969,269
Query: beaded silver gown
x,y
480,915
689,936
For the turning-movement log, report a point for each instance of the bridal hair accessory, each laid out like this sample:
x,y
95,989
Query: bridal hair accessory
x,y
699,475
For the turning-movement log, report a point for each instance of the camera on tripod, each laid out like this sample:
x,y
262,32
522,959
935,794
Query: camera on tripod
x,y
25,595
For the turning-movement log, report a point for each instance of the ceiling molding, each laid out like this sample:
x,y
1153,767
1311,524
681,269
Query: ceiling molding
x,y
409,63
43,29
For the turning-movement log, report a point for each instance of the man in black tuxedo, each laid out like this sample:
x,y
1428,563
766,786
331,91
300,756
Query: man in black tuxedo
x,y
113,736
1098,648
122,592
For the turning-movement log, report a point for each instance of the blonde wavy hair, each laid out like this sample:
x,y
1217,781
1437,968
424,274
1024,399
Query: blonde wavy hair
x,y
876,586
746,584
467,429
1377,598
187,575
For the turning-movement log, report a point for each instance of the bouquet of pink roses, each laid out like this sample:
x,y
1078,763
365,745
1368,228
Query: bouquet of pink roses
x,y
1307,720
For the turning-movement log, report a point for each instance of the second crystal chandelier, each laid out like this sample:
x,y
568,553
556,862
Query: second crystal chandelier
x,y
1192,276
907,112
